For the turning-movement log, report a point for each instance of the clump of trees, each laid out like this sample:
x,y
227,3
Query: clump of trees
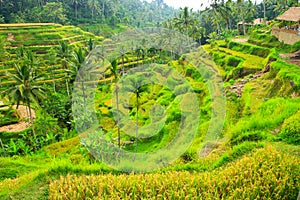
x,y
132,12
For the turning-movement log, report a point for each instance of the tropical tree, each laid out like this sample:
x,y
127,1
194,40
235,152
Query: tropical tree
x,y
94,7
90,45
76,4
246,10
63,52
122,53
184,20
25,87
79,56
136,86
113,67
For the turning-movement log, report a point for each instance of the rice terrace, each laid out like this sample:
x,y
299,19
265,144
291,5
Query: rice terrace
x,y
131,99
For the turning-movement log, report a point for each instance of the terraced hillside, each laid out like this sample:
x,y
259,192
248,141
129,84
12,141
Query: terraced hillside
x,y
43,40
260,136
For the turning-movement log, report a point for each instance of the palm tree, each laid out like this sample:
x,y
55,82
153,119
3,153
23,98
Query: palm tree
x,y
25,88
113,67
137,87
63,53
75,3
245,8
90,45
184,20
79,56
94,6
122,52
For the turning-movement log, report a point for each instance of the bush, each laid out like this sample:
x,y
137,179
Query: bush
x,y
233,61
249,136
8,116
277,109
287,71
249,49
290,131
238,151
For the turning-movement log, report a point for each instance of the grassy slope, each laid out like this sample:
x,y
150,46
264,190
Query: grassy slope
x,y
41,38
253,122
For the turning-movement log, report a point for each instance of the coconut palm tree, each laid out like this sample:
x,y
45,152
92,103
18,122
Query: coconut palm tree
x,y
94,6
75,3
122,52
63,52
137,87
113,67
79,56
184,20
25,87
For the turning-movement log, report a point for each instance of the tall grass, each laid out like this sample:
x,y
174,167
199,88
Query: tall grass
x,y
266,174
270,115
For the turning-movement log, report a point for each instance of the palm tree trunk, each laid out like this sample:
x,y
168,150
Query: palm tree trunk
x,y
30,118
187,35
123,65
76,12
67,86
136,125
54,87
4,152
103,8
83,93
264,4
118,119
244,27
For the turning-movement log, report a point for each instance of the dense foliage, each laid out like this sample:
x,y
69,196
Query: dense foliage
x,y
133,12
256,156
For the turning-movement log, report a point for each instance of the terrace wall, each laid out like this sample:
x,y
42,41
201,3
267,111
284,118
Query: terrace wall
x,y
286,36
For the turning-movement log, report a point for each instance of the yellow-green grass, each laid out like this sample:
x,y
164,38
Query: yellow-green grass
x,y
267,174
255,93
250,61
40,38
209,61
49,34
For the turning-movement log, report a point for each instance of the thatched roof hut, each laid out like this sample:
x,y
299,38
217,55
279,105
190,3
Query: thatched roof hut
x,y
291,15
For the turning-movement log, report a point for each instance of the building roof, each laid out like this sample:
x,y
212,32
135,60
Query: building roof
x,y
258,21
255,22
292,15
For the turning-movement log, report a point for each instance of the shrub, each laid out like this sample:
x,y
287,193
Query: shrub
x,y
249,136
290,131
233,61
238,151
289,72
249,49
276,109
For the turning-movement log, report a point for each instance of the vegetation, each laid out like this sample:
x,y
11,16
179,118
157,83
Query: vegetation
x,y
248,178
140,112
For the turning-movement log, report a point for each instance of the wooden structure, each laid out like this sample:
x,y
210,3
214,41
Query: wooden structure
x,y
288,33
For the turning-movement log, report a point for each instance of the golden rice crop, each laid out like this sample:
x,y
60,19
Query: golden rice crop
x,y
266,174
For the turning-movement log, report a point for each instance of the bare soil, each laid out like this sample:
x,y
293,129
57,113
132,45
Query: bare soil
x,y
293,58
23,124
241,40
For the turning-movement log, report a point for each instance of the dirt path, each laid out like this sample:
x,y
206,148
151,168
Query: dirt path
x,y
22,124
241,40
293,58
238,87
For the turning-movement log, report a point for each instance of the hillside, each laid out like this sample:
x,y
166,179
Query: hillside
x,y
43,40
261,129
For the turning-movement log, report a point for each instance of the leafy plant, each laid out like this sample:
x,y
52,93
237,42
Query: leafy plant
x,y
290,131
